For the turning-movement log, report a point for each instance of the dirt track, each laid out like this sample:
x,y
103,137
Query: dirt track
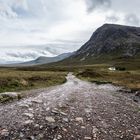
x,y
76,110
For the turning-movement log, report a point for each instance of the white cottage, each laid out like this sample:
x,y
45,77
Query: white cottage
x,y
112,68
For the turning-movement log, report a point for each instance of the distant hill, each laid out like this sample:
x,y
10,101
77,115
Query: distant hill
x,y
109,42
41,60
46,60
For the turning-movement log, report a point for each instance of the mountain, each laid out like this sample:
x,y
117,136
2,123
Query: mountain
x,y
109,42
41,60
46,60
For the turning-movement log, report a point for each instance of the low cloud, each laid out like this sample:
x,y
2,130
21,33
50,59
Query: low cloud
x,y
93,4
26,53
132,19
112,18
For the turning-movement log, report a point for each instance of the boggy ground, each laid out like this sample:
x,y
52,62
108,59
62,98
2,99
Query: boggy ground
x,y
76,110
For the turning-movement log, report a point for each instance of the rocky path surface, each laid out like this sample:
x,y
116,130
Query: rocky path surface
x,y
76,110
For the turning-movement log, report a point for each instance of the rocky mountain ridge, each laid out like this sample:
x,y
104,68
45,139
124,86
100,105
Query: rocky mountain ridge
x,y
110,41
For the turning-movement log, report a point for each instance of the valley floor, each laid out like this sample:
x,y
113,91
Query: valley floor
x,y
76,110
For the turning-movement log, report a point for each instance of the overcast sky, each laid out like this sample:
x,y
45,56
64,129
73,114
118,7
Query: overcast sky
x,y
66,22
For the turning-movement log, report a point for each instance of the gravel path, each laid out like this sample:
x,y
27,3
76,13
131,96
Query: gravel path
x,y
76,110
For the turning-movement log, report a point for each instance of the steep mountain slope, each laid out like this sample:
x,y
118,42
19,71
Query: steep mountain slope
x,y
109,42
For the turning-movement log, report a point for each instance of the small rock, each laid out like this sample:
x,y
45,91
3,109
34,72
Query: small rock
x,y
64,129
37,101
137,131
63,113
87,110
83,127
87,138
24,106
47,109
59,137
21,135
88,119
94,130
65,120
137,137
30,115
44,104
31,138
55,112
30,109
40,136
36,125
50,119
137,93
41,126
28,122
135,99
56,109
53,126
79,119
137,134
4,132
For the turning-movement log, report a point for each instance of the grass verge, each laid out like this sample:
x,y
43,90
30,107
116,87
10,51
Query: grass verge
x,y
12,80
127,79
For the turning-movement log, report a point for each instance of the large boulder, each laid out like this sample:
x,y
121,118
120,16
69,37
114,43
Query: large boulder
x,y
7,96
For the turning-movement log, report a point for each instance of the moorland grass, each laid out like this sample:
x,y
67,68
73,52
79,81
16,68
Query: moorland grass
x,y
17,80
127,73
127,79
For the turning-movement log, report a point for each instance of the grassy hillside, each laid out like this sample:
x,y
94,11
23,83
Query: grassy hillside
x,y
129,62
